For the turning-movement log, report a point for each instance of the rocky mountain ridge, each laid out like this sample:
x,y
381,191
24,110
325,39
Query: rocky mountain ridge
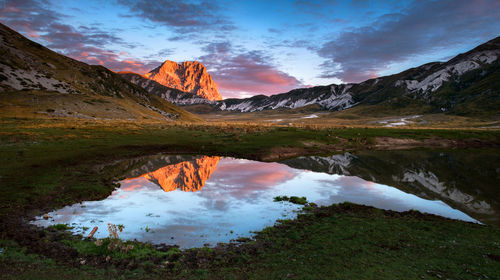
x,y
170,94
189,76
332,97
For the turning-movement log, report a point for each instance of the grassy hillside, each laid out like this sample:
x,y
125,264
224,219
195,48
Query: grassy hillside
x,y
37,82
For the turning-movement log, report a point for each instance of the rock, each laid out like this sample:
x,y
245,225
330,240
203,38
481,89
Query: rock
x,y
189,76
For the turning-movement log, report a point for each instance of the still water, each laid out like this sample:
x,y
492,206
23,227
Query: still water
x,y
191,201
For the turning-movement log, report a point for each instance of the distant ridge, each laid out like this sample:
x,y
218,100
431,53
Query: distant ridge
x,y
467,84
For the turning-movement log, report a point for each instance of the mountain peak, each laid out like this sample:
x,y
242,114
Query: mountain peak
x,y
188,76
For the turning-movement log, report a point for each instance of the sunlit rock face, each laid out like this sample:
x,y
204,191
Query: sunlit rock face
x,y
188,176
189,76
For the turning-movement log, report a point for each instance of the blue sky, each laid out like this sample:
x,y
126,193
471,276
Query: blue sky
x,y
259,47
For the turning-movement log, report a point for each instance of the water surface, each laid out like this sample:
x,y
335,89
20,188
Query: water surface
x,y
195,200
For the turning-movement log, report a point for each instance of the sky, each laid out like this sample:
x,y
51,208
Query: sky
x,y
259,47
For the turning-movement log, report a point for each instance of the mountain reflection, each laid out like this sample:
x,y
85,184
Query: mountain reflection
x,y
187,176
464,180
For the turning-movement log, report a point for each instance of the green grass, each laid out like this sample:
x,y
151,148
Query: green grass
x,y
47,164
350,242
344,241
118,249
17,263
62,227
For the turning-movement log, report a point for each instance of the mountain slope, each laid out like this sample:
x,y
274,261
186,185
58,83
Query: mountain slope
x,y
170,94
468,84
36,80
189,76
333,97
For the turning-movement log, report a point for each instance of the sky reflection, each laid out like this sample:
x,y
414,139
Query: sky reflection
x,y
235,198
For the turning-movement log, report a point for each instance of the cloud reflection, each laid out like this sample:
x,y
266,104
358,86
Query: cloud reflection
x,y
236,180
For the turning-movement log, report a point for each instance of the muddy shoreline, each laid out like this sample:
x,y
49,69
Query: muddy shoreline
x,y
49,242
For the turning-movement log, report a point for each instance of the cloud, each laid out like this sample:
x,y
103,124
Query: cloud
x,y
239,72
274,30
165,52
88,44
162,54
185,17
292,43
422,28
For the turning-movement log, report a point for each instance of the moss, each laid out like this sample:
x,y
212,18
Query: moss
x,y
292,199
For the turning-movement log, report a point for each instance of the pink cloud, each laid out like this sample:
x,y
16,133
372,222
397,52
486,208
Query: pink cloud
x,y
240,72
356,183
233,88
110,59
274,77
33,34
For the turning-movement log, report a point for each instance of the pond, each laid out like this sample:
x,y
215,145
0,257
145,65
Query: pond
x,y
192,201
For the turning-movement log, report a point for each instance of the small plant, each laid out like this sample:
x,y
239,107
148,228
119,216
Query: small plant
x,y
114,244
62,227
298,200
113,231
